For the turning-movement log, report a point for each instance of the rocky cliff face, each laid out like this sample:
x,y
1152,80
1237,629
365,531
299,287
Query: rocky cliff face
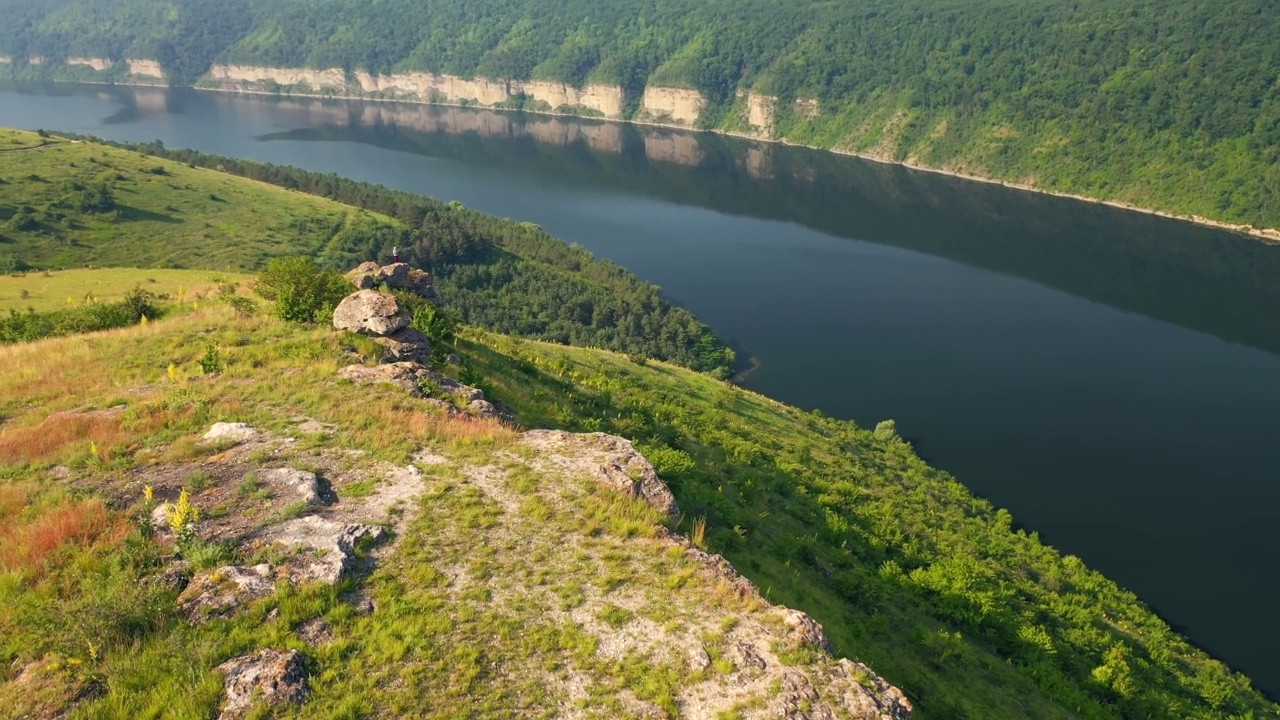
x,y
144,69
761,110
675,105
98,64
605,100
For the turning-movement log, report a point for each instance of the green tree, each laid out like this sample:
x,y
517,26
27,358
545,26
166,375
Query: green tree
x,y
301,291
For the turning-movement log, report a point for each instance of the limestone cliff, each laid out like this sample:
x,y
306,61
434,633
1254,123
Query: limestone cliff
x,y
675,105
605,100
144,69
98,64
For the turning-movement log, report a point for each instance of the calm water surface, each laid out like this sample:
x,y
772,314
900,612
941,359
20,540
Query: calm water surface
x,y
1111,378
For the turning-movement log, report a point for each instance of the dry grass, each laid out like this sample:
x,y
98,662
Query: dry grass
x,y
85,523
49,439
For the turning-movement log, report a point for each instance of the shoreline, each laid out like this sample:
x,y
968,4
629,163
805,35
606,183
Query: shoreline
x,y
1269,236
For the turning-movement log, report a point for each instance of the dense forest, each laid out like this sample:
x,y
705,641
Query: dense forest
x,y
1172,105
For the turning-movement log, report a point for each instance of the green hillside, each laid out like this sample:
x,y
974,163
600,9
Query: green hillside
x,y
514,584
68,202
1168,105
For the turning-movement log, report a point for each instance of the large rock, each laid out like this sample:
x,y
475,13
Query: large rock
x,y
303,483
395,275
364,280
420,284
273,677
402,374
406,345
214,593
224,432
370,313
331,546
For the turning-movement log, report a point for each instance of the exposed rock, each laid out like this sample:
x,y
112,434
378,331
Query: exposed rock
x,y
367,266
421,285
370,313
619,464
869,695
699,659
723,569
483,409
403,374
395,275
302,482
174,577
219,592
364,280
406,345
362,601
453,359
230,432
273,677
315,631
334,544
804,629
160,517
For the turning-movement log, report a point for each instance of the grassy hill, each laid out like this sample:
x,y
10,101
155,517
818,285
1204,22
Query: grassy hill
x,y
69,202
495,582
54,290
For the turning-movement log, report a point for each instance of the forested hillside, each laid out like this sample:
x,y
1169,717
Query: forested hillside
x,y
1172,105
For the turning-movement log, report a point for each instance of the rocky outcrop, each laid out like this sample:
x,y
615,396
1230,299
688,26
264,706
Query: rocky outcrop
x,y
761,112
806,107
610,459
214,593
225,432
396,276
330,546
35,60
406,345
271,677
148,69
606,100
370,313
98,64
5,60
675,105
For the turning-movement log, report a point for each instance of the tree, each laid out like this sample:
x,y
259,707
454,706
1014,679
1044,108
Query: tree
x,y
300,290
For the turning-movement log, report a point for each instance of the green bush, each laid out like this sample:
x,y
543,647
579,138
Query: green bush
x,y
301,291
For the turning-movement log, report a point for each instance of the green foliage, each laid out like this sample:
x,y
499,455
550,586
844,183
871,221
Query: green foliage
x,y
300,290
211,361
31,325
97,198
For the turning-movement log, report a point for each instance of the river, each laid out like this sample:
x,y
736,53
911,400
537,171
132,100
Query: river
x,y
1112,378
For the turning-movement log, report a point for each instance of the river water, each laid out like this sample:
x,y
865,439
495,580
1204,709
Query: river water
x,y
1111,378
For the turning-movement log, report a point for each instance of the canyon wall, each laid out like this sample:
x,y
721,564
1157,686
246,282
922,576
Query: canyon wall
x,y
98,64
140,68
675,105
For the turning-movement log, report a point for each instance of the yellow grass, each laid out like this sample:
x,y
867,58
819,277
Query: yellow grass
x,y
64,288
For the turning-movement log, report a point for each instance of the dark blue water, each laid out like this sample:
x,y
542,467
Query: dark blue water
x,y
1112,378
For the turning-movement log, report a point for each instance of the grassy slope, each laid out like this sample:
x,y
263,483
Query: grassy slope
x,y
179,217
55,290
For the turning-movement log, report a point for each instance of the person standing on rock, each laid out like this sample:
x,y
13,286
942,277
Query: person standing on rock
x,y
395,254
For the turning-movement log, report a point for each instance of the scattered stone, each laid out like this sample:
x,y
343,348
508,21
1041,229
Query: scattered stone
x,y
160,518
721,568
370,313
315,631
230,432
173,578
699,659
362,601
334,544
214,593
273,677
315,427
395,275
402,374
301,482
453,359
406,345
619,464
869,695
60,472
483,409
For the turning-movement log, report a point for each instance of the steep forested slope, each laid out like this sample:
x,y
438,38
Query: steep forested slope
x,y
1173,104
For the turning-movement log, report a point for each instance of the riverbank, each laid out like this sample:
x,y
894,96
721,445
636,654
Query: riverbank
x,y
1267,235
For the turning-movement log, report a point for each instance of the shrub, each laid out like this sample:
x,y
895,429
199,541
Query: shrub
x,y
301,290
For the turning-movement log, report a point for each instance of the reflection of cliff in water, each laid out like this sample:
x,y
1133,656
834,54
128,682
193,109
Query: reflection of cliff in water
x,y
1204,279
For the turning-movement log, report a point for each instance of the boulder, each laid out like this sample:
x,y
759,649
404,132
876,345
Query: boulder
x,y
483,409
271,677
333,544
370,313
230,432
395,275
406,345
805,631
314,631
403,374
421,285
364,281
367,266
213,593
303,483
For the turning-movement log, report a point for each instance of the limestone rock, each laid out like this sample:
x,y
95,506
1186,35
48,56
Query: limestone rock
x,y
334,545
364,280
395,275
302,482
402,374
483,409
367,266
805,630
160,518
219,592
616,463
453,359
370,313
421,285
230,432
315,631
406,345
273,677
